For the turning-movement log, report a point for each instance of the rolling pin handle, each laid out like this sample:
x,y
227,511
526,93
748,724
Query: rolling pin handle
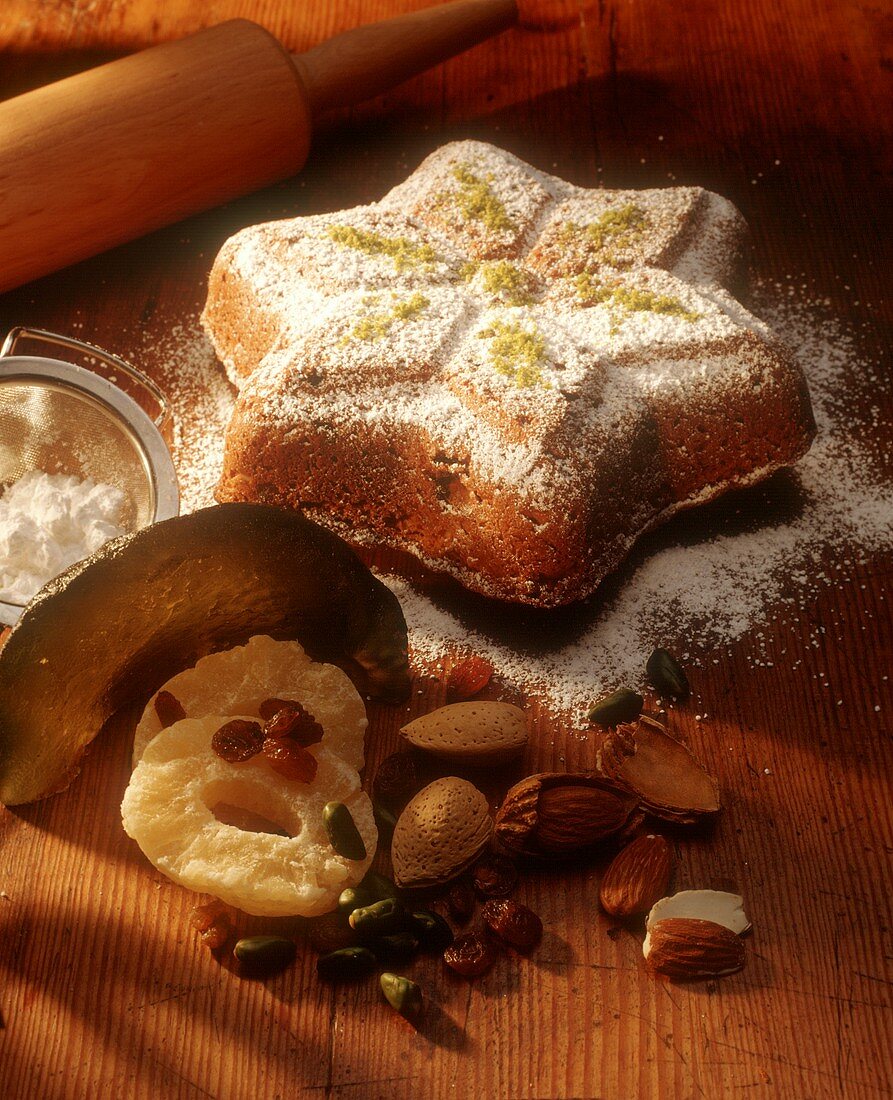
x,y
363,62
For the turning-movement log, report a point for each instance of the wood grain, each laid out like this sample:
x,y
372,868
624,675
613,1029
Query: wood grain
x,y
785,109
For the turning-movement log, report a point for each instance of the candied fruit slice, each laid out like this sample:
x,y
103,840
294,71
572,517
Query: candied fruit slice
x,y
169,809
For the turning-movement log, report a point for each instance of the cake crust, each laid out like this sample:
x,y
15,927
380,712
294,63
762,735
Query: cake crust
x,y
508,376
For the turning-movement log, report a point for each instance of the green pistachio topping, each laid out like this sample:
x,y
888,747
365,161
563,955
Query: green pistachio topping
x,y
517,353
615,228
629,299
501,279
376,325
478,202
405,252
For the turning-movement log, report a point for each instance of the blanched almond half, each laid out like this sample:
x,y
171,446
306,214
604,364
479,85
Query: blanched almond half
x,y
470,733
717,906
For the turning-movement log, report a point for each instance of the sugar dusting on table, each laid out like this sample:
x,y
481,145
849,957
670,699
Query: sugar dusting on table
x,y
185,366
717,589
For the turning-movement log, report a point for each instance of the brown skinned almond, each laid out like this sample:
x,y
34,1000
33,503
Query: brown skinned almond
x,y
637,877
685,949
557,813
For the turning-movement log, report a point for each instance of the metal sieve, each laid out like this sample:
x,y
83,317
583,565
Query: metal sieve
x,y
60,418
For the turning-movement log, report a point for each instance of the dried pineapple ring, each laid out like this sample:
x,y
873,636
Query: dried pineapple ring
x,y
238,680
168,810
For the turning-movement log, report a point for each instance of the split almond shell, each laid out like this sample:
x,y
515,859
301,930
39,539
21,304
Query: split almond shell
x,y
559,813
441,832
669,782
470,733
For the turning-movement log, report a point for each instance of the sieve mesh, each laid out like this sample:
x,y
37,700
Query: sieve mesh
x,y
57,417
55,429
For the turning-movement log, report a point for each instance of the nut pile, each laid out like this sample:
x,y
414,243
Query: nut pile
x,y
445,842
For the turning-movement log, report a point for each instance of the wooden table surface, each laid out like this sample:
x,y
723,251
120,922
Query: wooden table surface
x,y
783,107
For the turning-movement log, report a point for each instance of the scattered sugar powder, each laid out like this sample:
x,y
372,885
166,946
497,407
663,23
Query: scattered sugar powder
x,y
711,577
185,366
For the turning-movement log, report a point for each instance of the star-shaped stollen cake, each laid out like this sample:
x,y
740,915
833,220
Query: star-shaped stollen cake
x,y
506,375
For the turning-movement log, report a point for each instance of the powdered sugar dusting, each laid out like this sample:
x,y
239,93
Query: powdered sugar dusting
x,y
186,368
802,534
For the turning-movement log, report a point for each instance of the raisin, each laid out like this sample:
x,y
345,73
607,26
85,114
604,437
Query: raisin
x,y
295,723
397,779
460,901
330,933
513,923
203,916
470,955
467,677
169,709
212,922
270,706
494,877
216,934
290,760
238,741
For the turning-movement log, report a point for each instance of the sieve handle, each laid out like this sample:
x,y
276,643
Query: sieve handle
x,y
23,332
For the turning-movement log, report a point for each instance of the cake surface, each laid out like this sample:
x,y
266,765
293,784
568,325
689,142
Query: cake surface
x,y
509,376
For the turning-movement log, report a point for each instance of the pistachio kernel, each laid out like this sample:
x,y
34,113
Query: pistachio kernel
x,y
667,675
433,932
346,964
344,836
382,918
402,995
354,897
379,886
264,955
622,705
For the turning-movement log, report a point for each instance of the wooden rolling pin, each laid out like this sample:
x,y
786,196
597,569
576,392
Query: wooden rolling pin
x,y
112,153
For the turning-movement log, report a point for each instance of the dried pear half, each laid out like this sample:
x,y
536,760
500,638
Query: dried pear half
x,y
111,629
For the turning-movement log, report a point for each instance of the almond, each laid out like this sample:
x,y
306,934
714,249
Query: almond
x,y
556,813
717,906
637,877
686,948
441,832
470,733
